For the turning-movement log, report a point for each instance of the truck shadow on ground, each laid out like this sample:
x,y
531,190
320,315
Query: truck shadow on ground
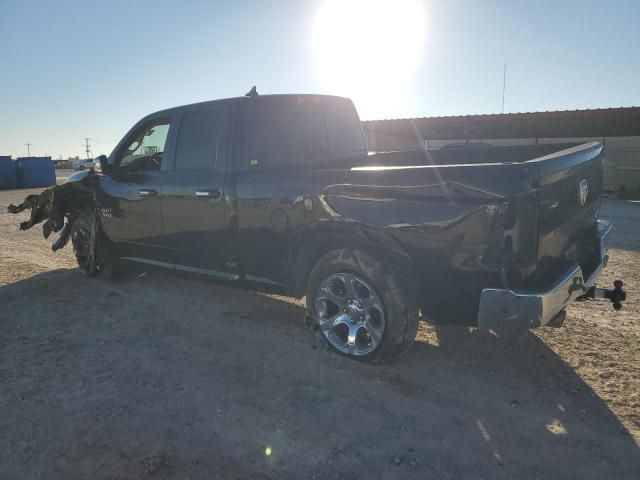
x,y
105,379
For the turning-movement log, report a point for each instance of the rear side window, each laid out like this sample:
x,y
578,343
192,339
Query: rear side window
x,y
344,131
303,130
197,147
298,136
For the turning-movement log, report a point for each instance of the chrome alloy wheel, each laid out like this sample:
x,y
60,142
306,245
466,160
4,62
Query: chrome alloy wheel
x,y
350,314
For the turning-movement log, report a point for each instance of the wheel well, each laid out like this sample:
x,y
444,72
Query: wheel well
x,y
319,243
96,225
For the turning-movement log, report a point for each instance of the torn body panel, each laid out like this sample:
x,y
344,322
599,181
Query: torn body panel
x,y
59,206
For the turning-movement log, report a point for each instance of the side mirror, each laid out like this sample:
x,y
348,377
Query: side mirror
x,y
100,164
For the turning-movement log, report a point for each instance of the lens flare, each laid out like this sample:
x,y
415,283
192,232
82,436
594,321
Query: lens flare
x,y
369,49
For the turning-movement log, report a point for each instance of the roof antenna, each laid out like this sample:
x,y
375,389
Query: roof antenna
x,y
504,84
252,93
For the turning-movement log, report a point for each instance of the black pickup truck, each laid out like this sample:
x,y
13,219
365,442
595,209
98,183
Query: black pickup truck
x,y
280,190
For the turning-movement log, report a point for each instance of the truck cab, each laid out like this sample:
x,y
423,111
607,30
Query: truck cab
x,y
178,180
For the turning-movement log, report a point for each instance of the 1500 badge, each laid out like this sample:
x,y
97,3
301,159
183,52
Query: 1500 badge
x,y
105,212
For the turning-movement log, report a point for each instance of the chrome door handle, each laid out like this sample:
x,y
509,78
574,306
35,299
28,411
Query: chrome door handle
x,y
208,193
147,193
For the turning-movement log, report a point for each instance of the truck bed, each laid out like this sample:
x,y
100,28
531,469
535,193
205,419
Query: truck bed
x,y
468,155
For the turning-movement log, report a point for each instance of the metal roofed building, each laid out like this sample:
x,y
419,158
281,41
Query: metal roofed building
x,y
618,129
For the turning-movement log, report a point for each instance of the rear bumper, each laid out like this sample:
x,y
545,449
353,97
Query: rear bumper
x,y
505,308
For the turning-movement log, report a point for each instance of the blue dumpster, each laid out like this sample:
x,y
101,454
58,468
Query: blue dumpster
x,y
7,173
35,172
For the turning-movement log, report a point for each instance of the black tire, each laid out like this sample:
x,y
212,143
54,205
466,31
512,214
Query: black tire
x,y
398,302
83,245
92,259
107,261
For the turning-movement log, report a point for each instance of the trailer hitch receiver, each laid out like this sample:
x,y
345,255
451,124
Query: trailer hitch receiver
x,y
616,294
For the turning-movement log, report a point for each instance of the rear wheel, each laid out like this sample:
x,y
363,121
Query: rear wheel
x,y
361,306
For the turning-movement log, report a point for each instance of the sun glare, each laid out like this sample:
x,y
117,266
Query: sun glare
x,y
369,49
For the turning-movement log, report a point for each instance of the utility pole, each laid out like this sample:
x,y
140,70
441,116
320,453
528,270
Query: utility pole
x,y
504,85
88,148
28,149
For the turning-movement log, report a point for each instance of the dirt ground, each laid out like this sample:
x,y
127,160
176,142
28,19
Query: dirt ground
x,y
166,376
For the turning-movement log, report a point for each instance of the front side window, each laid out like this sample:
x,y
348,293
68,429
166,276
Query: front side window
x,y
144,153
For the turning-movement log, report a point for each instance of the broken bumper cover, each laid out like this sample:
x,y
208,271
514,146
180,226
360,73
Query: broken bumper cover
x,y
505,308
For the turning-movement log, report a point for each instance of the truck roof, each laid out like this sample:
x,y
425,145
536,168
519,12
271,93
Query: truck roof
x,y
282,96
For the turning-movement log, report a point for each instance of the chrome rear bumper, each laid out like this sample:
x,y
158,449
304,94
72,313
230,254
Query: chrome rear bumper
x,y
505,308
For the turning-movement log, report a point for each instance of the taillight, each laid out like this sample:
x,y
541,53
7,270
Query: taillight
x,y
507,215
514,240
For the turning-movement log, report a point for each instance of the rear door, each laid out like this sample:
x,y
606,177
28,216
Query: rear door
x,y
129,200
193,194
290,138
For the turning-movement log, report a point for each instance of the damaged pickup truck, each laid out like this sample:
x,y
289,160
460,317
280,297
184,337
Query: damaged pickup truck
x,y
280,190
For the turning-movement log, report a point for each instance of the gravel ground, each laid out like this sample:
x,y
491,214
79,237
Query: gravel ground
x,y
163,376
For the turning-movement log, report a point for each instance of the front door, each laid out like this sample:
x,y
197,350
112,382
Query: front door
x,y
193,195
129,197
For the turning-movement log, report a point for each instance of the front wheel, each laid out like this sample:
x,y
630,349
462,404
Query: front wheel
x,y
362,307
82,239
95,256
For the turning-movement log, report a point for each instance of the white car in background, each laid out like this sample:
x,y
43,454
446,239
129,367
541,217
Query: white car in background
x,y
83,165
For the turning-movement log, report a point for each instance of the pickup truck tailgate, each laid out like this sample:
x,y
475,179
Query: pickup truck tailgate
x,y
570,193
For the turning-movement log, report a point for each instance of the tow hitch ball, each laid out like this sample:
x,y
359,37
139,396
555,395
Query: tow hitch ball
x,y
616,294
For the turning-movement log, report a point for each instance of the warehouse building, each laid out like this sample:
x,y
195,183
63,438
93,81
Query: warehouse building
x,y
618,129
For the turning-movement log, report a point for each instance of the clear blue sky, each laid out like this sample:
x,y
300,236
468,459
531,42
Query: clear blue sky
x,y
75,69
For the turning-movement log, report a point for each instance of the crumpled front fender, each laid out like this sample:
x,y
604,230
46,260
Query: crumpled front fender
x,y
58,206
